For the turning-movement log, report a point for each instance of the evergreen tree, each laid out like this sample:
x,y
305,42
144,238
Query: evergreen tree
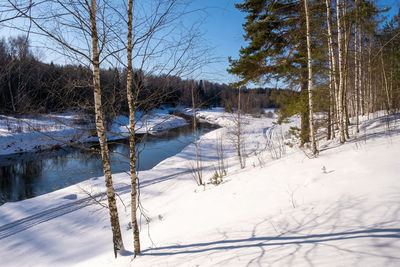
x,y
277,49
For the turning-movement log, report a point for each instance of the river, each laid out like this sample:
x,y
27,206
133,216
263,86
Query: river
x,y
27,175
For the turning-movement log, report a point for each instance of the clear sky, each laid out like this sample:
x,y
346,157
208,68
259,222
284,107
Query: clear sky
x,y
223,32
222,28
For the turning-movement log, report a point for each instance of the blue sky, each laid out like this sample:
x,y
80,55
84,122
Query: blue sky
x,y
224,30
222,27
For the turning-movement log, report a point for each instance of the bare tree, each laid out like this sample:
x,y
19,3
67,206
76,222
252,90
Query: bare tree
x,y
58,20
8,13
132,141
155,45
239,142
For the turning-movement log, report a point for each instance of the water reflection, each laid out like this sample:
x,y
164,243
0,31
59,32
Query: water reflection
x,y
31,174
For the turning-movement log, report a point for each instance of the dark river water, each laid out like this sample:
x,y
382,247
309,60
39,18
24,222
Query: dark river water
x,y
27,175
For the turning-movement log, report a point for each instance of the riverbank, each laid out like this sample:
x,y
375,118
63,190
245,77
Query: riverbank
x,y
283,209
52,131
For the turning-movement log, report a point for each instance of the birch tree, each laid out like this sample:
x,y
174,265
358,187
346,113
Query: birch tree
x,y
131,128
60,21
333,87
310,81
105,154
341,74
356,66
154,42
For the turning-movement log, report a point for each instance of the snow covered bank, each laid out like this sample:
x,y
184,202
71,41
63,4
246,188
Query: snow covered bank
x,y
219,117
33,133
283,209
39,132
150,123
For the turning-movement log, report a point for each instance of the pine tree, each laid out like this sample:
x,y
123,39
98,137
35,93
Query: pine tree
x,y
277,49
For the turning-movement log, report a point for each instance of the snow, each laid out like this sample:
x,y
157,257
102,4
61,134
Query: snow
x,y
150,123
40,132
283,209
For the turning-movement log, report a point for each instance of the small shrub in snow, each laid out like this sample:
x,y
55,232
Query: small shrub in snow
x,y
221,168
216,179
260,159
276,145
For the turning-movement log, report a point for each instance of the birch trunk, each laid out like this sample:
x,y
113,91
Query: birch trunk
x,y
356,66
309,65
132,133
341,84
369,94
332,69
105,155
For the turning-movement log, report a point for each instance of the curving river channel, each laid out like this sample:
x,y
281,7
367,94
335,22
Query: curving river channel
x,y
27,175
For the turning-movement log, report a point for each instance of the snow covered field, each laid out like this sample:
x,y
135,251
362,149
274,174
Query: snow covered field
x,y
32,133
284,209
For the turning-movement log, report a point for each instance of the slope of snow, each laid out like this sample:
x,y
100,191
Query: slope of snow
x,y
284,209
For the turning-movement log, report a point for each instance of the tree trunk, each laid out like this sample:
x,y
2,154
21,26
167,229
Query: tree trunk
x,y
360,74
132,133
10,90
341,83
198,167
370,93
356,65
309,65
385,83
105,155
347,38
304,116
239,133
332,72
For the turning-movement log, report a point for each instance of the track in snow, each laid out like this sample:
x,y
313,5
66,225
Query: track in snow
x,y
20,225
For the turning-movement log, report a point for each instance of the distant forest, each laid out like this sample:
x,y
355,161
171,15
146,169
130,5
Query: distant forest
x,y
28,85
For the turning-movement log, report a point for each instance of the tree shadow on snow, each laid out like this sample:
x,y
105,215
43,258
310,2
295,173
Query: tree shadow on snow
x,y
299,235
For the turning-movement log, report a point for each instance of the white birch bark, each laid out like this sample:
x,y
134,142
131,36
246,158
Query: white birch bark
x,y
332,69
340,67
310,82
105,155
356,71
360,74
132,133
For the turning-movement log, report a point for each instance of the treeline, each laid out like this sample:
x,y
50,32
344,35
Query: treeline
x,y
28,85
343,57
